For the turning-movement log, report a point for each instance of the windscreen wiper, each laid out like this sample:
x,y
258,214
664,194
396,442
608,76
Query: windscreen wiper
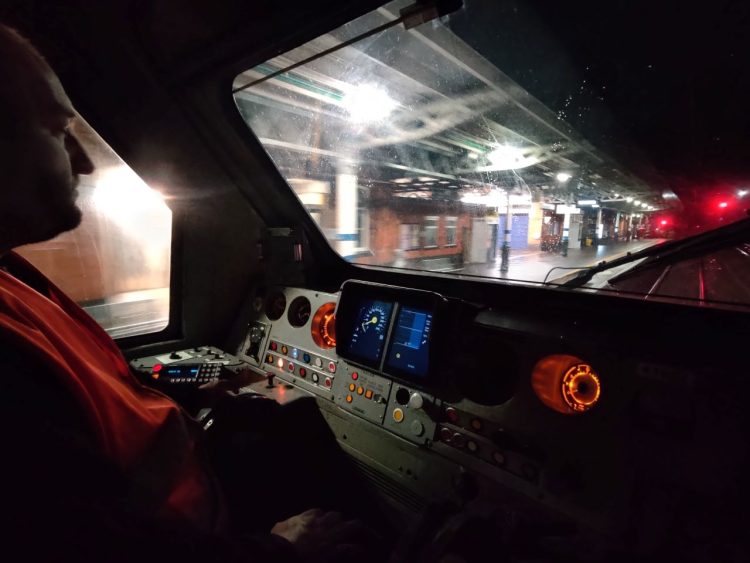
x,y
669,252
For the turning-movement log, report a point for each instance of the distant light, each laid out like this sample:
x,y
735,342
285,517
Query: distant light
x,y
644,204
586,202
563,177
473,155
402,180
595,205
743,193
636,202
628,199
425,179
366,103
663,221
723,204
616,195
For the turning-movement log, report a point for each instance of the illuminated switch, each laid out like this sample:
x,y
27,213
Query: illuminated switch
x,y
332,367
329,381
295,353
274,346
269,359
368,394
355,376
318,362
306,358
446,434
280,363
476,424
398,415
290,367
451,414
360,390
302,372
284,350
352,387
315,377
349,399
155,375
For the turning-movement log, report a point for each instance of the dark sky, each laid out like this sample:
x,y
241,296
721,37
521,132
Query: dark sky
x,y
656,83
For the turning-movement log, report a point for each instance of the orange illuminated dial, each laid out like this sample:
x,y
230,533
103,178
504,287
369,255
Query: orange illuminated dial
x,y
324,326
566,384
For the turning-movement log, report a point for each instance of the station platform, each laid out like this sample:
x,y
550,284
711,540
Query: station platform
x,y
534,264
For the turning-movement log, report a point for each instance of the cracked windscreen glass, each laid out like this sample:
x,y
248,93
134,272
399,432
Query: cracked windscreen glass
x,y
521,142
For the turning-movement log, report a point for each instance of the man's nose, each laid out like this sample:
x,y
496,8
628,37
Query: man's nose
x,y
80,162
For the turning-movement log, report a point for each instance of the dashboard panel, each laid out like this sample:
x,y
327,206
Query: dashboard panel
x,y
489,407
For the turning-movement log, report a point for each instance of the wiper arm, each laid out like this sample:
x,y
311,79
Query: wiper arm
x,y
674,250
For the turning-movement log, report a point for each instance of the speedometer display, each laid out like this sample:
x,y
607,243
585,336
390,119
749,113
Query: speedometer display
x,y
368,335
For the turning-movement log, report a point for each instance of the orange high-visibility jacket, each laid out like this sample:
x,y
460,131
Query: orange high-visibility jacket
x,y
142,431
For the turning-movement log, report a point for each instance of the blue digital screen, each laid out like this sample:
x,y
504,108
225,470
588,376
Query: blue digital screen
x,y
369,331
183,371
410,343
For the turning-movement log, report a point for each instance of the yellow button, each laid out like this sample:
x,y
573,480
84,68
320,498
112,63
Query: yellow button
x,y
352,387
348,398
398,415
368,394
360,390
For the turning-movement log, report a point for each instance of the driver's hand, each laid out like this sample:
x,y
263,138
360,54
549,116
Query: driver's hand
x,y
329,537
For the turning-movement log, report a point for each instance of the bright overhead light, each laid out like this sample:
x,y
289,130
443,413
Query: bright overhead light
x,y
644,204
742,193
506,157
563,176
402,180
366,103
636,202
595,205
586,202
628,199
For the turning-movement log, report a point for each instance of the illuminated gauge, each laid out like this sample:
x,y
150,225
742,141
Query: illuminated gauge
x,y
566,384
323,327
275,305
374,319
299,311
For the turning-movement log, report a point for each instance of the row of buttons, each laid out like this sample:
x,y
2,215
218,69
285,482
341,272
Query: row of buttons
x,y
199,379
360,391
453,417
295,353
297,370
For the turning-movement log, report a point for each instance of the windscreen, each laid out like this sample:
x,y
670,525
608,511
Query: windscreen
x,y
522,142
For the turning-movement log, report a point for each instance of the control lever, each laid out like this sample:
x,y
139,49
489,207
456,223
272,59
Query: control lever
x,y
270,377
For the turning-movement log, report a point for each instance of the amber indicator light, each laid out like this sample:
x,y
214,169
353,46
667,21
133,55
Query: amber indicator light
x,y
323,326
566,384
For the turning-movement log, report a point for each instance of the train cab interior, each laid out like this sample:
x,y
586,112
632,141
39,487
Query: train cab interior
x,y
317,198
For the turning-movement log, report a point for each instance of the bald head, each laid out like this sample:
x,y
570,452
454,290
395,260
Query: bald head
x,y
40,159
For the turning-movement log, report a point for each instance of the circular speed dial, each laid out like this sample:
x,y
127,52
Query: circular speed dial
x,y
374,319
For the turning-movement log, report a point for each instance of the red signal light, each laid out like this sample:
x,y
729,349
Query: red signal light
x,y
723,204
663,221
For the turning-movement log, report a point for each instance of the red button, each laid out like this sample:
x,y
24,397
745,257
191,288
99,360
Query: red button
x,y
157,368
355,376
274,346
452,414
328,381
291,367
331,367
302,372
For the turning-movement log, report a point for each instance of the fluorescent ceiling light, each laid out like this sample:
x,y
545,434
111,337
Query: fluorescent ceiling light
x,y
628,199
586,202
366,103
506,157
563,176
